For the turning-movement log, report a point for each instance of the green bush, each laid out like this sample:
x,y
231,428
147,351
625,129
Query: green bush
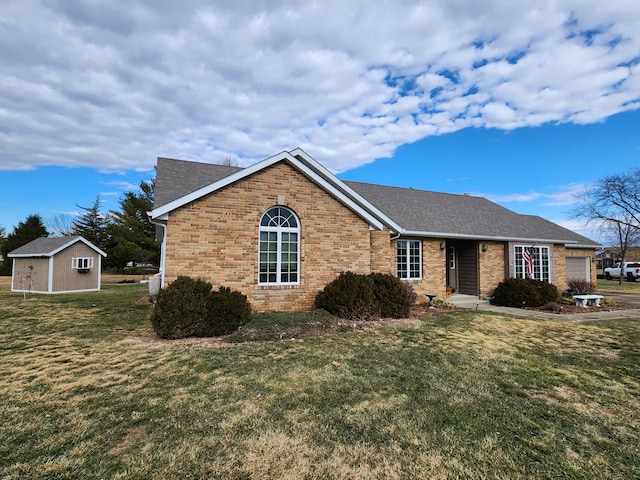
x,y
391,295
227,310
524,292
188,307
349,296
180,308
363,297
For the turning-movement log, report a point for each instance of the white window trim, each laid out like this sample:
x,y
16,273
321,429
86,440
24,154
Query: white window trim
x,y
279,231
82,263
408,278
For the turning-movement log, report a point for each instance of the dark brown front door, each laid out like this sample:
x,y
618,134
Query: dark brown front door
x,y
462,266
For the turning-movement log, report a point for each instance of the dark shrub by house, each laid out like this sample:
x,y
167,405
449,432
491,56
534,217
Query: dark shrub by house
x,y
524,292
579,286
349,296
391,295
188,307
180,308
227,310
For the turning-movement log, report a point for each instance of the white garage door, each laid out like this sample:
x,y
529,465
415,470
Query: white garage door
x,y
578,268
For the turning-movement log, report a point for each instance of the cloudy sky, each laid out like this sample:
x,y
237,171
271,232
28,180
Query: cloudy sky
x,y
526,105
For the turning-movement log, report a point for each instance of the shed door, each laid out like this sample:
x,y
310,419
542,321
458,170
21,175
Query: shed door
x,y
578,268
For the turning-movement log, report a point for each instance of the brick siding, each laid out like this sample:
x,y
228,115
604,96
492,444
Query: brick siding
x,y
491,267
216,238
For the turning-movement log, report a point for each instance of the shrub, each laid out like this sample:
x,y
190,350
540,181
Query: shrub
x,y
180,308
412,292
547,292
524,292
609,302
349,296
391,295
188,307
578,286
227,310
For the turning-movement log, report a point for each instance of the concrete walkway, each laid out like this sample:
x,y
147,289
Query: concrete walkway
x,y
473,303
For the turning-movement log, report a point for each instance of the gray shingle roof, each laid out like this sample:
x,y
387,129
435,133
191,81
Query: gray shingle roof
x,y
420,211
460,215
177,178
46,246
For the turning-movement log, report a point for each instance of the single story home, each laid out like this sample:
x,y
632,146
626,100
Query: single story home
x,y
56,265
281,229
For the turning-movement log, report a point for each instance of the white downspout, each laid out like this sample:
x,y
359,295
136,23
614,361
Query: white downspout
x,y
163,249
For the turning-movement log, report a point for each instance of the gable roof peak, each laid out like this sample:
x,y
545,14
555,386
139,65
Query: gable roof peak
x,y
49,246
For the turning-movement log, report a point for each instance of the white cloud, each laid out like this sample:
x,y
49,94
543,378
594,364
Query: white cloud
x,y
115,84
558,196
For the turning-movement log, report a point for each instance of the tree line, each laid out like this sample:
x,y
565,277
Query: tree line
x,y
125,235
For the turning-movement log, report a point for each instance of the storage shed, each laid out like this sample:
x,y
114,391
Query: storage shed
x,y
56,265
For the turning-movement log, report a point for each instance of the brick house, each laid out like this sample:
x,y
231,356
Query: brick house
x,y
281,229
56,265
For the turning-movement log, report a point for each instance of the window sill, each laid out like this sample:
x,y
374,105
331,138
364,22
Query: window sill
x,y
275,286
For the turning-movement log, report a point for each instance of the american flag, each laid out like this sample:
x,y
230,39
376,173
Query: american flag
x,y
527,256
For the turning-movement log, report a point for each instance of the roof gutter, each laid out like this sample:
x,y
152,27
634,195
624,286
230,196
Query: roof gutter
x,y
462,236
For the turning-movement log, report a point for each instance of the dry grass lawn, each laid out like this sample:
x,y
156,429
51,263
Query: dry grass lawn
x,y
454,395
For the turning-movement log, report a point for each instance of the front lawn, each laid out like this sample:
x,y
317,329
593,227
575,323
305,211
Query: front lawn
x,y
614,286
453,395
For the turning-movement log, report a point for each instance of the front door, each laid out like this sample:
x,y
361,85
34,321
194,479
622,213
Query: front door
x,y
462,266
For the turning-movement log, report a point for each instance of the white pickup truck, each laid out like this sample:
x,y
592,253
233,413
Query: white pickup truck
x,y
631,271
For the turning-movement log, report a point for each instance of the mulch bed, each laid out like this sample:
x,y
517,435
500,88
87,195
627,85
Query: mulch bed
x,y
333,326
567,309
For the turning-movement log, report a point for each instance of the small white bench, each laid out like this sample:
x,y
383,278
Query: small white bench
x,y
587,300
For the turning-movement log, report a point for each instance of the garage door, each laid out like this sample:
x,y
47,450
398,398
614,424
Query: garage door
x,y
578,268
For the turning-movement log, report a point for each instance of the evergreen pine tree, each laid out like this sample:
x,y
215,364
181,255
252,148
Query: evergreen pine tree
x,y
26,231
91,224
131,233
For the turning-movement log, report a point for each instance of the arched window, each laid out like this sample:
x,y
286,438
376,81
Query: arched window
x,y
279,249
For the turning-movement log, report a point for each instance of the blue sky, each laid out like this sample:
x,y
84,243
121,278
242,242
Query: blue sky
x,y
526,105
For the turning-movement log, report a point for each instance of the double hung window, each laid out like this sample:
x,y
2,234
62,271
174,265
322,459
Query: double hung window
x,y
409,259
279,249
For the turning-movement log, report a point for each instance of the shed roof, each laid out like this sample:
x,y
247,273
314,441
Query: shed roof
x,y
49,246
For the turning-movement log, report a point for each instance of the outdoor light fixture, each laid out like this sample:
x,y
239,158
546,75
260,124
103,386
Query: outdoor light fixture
x,y
484,247
442,245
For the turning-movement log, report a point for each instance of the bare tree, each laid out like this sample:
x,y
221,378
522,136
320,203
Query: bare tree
x,y
60,225
614,205
615,198
622,235
229,161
